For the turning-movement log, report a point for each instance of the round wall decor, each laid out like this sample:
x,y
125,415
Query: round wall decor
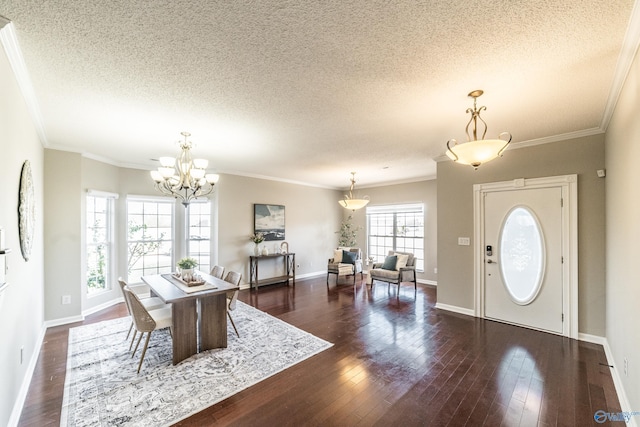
x,y
26,210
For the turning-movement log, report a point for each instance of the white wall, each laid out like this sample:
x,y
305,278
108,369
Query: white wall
x,y
311,215
623,233
581,156
62,231
414,192
21,304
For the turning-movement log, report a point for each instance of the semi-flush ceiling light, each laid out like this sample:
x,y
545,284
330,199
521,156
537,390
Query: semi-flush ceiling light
x,y
349,202
184,179
477,151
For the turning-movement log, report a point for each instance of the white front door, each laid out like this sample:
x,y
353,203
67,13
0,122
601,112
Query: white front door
x,y
523,271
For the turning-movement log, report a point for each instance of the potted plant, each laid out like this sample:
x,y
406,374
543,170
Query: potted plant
x,y
186,266
348,233
257,238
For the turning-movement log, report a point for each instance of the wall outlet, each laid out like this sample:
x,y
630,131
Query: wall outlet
x,y
435,270
626,367
66,299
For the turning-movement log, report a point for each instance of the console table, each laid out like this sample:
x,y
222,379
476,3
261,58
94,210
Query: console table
x,y
289,268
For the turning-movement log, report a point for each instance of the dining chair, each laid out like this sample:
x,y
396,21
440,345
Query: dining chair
x,y
151,303
146,320
217,271
232,296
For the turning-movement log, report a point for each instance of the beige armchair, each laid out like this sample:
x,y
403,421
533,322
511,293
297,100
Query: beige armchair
x,y
398,273
340,266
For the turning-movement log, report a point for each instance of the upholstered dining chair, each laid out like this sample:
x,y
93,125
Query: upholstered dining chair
x,y
232,296
151,303
217,271
146,321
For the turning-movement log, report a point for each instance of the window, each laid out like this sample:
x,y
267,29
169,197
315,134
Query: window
x,y
397,228
199,232
99,242
522,255
149,237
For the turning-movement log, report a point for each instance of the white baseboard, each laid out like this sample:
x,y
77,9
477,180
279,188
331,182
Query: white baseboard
x,y
625,406
63,321
298,277
102,306
313,274
456,309
595,339
26,381
428,282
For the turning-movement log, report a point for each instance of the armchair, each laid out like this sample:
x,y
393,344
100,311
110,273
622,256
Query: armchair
x,y
345,262
397,273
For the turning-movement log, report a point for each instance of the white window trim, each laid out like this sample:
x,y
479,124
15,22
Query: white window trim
x,y
105,194
145,198
111,271
397,208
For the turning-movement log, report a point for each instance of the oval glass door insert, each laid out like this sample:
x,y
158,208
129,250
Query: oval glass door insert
x,y
522,255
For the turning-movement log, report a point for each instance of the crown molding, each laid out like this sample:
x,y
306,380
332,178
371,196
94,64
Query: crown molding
x,y
628,52
540,141
9,41
218,170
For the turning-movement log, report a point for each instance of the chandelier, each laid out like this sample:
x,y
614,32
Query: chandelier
x,y
185,178
477,151
349,202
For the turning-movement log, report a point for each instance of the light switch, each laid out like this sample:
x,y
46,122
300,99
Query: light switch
x,y
464,241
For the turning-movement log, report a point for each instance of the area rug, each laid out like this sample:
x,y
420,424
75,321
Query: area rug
x,y
103,389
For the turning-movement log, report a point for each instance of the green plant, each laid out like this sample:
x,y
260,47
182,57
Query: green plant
x,y
187,263
348,233
257,238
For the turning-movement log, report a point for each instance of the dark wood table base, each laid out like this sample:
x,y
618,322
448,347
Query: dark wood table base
x,y
209,327
213,330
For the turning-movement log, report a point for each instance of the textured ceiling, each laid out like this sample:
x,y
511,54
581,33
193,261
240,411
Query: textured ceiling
x,y
310,91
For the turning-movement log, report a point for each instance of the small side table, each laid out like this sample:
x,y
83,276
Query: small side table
x,y
289,259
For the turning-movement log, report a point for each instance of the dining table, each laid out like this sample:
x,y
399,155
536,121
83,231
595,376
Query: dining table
x,y
199,313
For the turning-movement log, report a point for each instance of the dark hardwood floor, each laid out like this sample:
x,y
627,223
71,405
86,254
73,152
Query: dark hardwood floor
x,y
396,361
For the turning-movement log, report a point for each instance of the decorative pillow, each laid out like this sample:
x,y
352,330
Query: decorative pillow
x,y
390,262
348,257
337,255
402,261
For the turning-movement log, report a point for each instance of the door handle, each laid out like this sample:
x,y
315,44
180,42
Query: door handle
x,y
491,262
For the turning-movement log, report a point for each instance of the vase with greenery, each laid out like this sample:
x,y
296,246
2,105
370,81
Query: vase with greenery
x,y
348,233
186,266
257,238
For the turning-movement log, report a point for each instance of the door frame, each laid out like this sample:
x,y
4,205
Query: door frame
x,y
569,187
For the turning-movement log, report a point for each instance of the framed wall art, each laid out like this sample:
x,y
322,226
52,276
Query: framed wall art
x,y
26,211
269,220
